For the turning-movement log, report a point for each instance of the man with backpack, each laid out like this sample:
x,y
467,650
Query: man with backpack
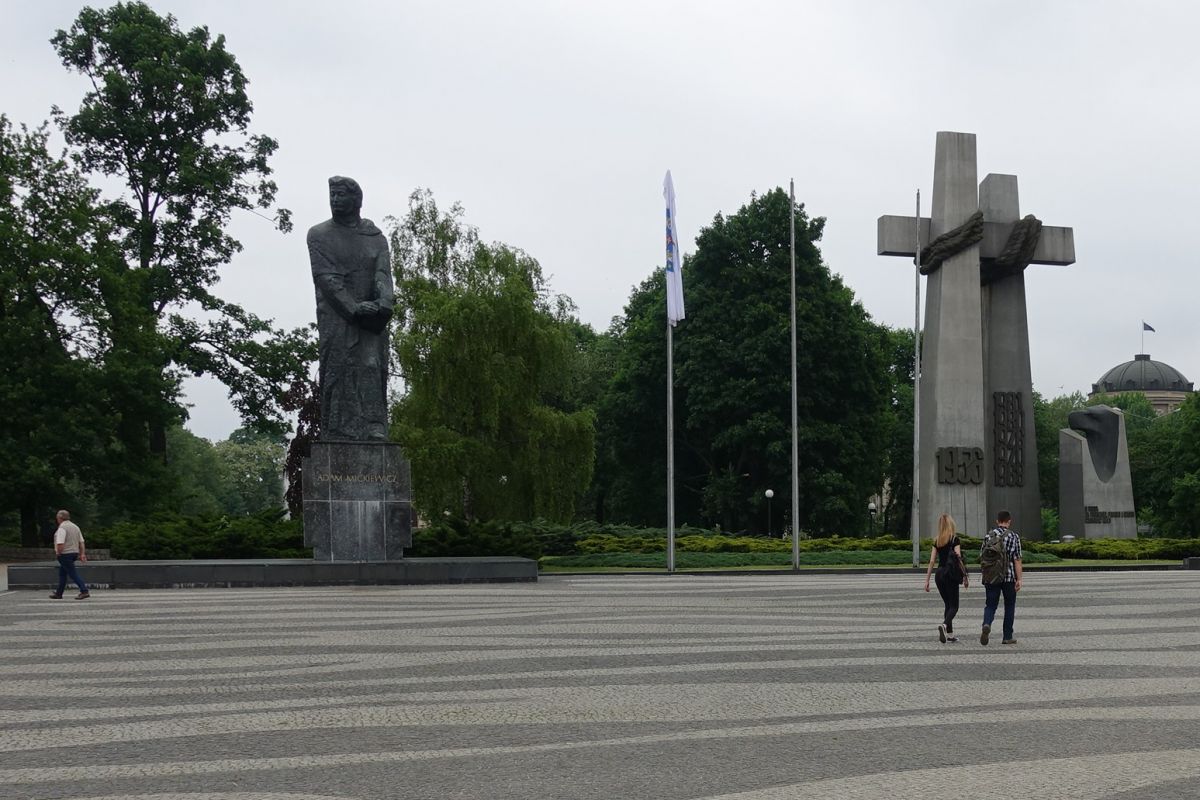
x,y
1000,568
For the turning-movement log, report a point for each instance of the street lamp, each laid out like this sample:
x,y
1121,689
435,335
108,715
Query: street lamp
x,y
769,494
872,510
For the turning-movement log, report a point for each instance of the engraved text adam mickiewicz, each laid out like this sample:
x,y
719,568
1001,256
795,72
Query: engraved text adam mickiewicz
x,y
335,477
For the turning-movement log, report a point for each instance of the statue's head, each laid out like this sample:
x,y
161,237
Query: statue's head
x,y
1101,426
345,196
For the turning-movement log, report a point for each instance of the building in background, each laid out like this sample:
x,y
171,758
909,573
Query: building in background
x,y
1164,386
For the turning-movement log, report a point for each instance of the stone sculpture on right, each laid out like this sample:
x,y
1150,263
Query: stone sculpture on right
x,y
1095,489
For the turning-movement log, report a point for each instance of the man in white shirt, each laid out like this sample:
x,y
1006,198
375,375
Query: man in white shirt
x,y
69,547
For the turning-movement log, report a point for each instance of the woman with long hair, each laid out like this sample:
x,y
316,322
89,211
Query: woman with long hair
x,y
951,573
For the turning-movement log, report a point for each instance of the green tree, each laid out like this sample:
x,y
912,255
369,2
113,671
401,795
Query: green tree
x,y
252,464
630,476
198,478
897,352
168,115
487,359
1164,456
732,391
55,248
1049,417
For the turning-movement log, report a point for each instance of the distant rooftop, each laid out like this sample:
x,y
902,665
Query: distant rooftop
x,y
1143,374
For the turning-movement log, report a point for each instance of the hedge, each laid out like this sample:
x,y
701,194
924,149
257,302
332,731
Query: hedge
x,y
268,535
703,560
173,536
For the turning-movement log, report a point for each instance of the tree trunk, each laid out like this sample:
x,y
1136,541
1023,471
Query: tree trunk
x,y
31,531
467,504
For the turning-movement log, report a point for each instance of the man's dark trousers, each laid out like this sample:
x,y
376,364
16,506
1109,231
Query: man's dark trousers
x,y
66,569
993,591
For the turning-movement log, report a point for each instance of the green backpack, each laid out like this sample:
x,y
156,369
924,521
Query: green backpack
x,y
993,558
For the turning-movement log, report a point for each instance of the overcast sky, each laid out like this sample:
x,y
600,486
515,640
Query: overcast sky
x,y
553,123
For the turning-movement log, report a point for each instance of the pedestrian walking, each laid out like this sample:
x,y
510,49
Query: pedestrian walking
x,y
951,574
69,547
1000,569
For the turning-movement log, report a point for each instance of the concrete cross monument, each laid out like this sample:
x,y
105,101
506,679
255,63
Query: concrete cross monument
x,y
977,449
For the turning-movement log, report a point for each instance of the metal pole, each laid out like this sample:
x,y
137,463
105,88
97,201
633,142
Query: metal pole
x,y
916,498
670,453
795,425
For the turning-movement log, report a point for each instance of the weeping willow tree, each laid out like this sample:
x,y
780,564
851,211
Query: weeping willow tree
x,y
486,355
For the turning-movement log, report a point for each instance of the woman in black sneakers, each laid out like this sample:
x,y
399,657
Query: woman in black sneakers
x,y
951,573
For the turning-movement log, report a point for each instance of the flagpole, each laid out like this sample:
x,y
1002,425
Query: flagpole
x,y
670,451
1143,350
795,425
675,312
916,498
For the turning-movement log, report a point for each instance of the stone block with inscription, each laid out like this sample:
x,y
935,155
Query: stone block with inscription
x,y
357,501
1094,483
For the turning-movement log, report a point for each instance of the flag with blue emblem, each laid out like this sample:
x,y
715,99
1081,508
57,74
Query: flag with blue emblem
x,y
674,268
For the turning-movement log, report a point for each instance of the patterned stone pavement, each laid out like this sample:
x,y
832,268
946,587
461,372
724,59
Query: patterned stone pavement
x,y
718,687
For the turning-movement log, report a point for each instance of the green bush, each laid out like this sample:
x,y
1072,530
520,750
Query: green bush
x,y
458,537
1121,549
172,536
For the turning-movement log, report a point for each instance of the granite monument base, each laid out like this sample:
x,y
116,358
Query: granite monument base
x,y
357,501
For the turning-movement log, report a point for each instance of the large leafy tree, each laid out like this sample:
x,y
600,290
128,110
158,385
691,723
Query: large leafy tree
x,y
167,114
237,476
488,361
732,392
631,431
1174,483
253,465
1049,417
55,254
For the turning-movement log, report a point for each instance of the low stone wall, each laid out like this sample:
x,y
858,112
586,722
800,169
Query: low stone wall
x,y
21,555
280,572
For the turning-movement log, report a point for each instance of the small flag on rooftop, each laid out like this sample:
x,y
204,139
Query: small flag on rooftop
x,y
1146,327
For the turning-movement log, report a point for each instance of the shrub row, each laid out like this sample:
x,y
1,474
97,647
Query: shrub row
x,y
172,536
456,537
268,535
1121,549
703,560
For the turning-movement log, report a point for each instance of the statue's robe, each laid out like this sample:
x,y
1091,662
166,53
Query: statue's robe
x,y
350,265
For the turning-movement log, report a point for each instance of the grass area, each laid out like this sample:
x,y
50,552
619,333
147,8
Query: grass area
x,y
1112,562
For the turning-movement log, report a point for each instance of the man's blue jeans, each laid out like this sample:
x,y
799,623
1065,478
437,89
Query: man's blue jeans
x,y
993,592
66,569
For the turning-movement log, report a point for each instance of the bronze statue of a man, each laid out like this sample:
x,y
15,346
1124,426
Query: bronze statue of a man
x,y
353,278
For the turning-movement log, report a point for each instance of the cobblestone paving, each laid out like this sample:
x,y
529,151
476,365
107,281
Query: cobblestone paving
x,y
729,688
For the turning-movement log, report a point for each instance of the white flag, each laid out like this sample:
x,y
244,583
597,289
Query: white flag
x,y
674,267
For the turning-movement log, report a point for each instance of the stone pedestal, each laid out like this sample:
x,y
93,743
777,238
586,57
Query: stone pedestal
x,y
357,501
1094,482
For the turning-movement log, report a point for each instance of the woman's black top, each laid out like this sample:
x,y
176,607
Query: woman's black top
x,y
946,557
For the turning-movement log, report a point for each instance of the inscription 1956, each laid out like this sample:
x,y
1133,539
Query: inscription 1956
x,y
960,465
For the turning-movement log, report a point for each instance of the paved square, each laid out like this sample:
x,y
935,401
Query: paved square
x,y
739,688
